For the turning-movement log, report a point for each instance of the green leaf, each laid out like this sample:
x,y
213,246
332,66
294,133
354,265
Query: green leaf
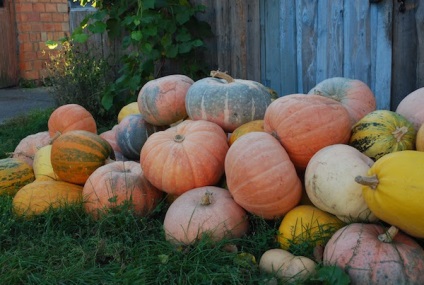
x,y
197,43
97,27
332,275
136,35
183,16
183,36
80,37
146,48
107,100
148,4
184,47
150,31
171,52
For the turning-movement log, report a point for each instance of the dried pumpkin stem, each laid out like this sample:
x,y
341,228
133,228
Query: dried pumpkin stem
x,y
399,133
179,138
371,181
389,234
206,199
56,135
222,75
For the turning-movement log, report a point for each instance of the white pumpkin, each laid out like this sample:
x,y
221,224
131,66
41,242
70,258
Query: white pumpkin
x,y
285,265
330,182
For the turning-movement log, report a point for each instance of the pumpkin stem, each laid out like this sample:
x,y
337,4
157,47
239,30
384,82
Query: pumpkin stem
x,y
399,133
222,75
206,199
389,234
371,181
179,138
56,135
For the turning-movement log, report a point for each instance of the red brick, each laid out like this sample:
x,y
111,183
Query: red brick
x,y
23,37
24,27
25,65
30,75
57,17
46,17
35,37
39,7
28,56
62,8
65,27
49,27
30,17
50,7
23,7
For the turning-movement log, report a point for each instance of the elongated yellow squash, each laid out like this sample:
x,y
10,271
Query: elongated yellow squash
x,y
394,190
15,173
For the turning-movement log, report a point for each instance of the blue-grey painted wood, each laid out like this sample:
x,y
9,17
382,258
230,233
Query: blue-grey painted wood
x,y
381,85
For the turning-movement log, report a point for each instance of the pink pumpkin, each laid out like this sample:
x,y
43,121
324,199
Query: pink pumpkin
x,y
29,145
412,107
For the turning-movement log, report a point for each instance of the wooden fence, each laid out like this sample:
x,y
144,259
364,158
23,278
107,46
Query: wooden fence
x,y
292,45
8,55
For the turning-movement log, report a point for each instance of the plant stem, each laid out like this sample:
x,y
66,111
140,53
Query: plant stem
x,y
221,75
371,181
389,234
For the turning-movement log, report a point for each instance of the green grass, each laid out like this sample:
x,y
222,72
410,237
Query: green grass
x,y
66,246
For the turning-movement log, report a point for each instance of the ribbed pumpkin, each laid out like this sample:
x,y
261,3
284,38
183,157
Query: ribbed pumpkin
x,y
261,177
76,154
129,109
358,250
394,190
39,196
70,117
227,102
252,126
14,174
304,124
110,136
186,156
381,132
412,107
131,134
207,210
162,101
116,183
330,182
354,95
28,146
308,225
43,169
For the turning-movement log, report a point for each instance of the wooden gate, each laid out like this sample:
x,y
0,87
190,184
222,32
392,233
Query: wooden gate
x,y
8,42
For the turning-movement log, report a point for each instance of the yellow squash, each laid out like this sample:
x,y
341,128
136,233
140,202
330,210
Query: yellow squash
x,y
394,190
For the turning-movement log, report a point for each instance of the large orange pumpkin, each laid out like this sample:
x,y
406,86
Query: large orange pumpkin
x,y
354,95
186,156
261,176
162,101
70,117
116,183
304,124
366,254
76,154
207,210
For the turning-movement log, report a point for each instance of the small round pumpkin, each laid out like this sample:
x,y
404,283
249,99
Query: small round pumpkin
x,y
131,134
14,174
381,132
261,177
252,126
226,101
186,156
116,183
363,251
207,210
129,109
39,196
286,266
76,154
330,182
304,124
412,107
70,117
307,224
28,146
161,101
353,94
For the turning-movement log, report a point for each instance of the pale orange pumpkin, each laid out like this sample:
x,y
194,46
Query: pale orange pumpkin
x,y
207,210
28,146
71,117
370,254
261,177
412,107
162,101
355,95
304,124
116,183
186,156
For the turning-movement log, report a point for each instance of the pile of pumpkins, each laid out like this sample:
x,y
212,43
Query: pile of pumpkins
x,y
338,172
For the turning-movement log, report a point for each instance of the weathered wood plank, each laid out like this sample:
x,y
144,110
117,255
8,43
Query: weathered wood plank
x,y
306,46
419,18
9,70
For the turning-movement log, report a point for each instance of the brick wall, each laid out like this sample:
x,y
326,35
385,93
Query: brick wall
x,y
37,22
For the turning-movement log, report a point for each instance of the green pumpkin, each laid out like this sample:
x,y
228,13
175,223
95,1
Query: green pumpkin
x,y
381,132
227,102
14,174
